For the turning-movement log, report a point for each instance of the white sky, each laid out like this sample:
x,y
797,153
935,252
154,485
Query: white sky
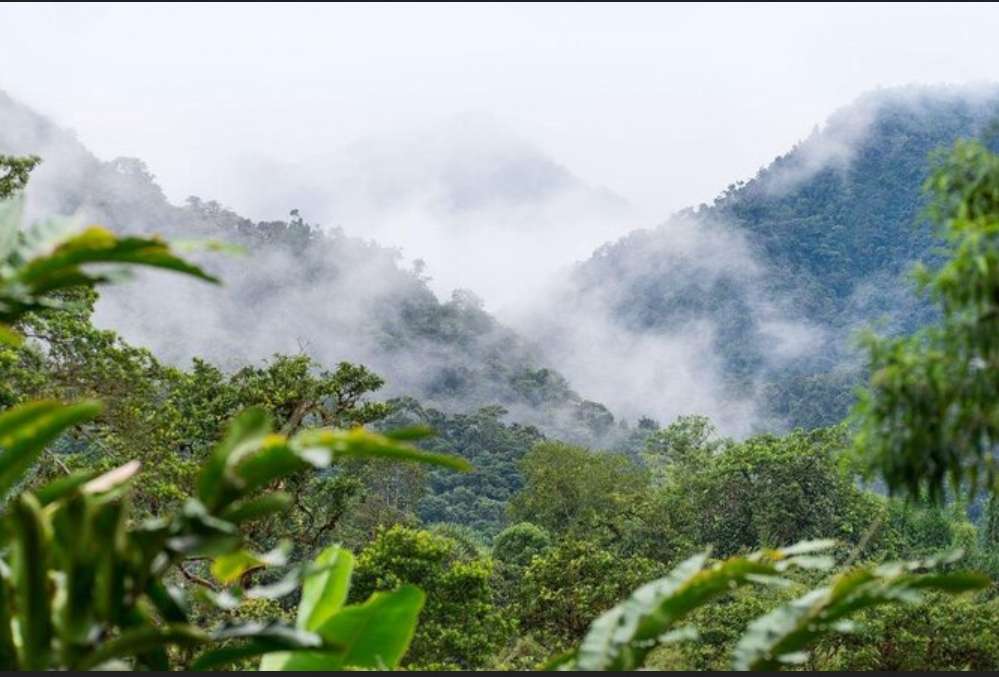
x,y
665,105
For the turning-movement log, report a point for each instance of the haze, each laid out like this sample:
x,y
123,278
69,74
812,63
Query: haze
x,y
660,105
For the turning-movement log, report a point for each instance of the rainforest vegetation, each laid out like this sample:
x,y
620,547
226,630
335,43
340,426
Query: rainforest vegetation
x,y
284,514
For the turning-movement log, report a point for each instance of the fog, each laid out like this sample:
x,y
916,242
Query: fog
x,y
494,146
660,105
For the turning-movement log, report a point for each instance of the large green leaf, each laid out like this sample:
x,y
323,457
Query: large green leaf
x,y
325,591
621,638
271,461
229,567
373,635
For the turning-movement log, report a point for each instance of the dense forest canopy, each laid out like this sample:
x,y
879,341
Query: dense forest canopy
x,y
318,464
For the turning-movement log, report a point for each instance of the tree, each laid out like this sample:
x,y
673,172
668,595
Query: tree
x,y
460,626
568,489
687,441
566,586
15,173
517,545
83,586
928,418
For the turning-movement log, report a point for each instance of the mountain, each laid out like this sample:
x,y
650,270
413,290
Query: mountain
x,y
298,288
781,270
743,310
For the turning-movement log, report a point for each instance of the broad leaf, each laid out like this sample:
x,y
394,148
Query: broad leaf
x,y
324,592
373,635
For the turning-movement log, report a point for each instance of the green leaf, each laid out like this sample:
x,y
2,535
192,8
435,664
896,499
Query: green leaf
x,y
621,638
63,486
230,567
245,432
140,640
168,600
34,618
273,460
261,638
373,635
27,429
256,508
96,244
324,592
227,655
361,443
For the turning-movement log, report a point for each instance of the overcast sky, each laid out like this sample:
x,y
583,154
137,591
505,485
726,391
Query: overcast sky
x,y
663,104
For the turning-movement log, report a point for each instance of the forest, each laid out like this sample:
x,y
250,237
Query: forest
x,y
304,512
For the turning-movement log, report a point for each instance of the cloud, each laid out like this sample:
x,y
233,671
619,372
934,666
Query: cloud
x,y
640,325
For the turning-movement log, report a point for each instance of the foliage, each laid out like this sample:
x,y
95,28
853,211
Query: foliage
x,y
517,545
460,626
15,173
37,262
372,635
83,585
765,491
477,499
135,573
684,443
929,418
563,588
940,633
781,637
574,490
623,637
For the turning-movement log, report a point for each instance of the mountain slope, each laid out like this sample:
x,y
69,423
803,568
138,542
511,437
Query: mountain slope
x,y
299,288
781,270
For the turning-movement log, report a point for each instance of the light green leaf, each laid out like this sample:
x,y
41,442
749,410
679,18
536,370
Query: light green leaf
x,y
373,635
361,443
324,592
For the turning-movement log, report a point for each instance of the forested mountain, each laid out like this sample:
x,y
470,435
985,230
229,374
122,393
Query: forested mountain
x,y
782,270
744,309
298,288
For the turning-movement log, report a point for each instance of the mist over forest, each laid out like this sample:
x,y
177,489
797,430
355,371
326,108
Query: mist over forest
x,y
466,354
